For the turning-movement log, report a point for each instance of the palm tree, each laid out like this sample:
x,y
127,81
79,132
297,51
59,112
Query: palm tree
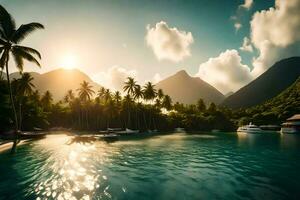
x,y
110,109
117,97
10,37
107,96
85,91
149,91
157,103
138,94
127,105
149,94
160,94
201,105
24,87
167,102
130,85
35,96
47,100
101,93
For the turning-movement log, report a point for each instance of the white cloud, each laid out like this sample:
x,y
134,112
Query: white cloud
x,y
114,77
169,43
225,72
237,26
247,46
247,4
239,13
276,34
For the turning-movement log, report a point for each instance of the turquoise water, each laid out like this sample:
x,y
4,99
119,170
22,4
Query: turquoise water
x,y
178,166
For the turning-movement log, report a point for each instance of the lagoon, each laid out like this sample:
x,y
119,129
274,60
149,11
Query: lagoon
x,y
170,166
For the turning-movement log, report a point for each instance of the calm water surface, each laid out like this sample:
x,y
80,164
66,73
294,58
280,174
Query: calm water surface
x,y
176,166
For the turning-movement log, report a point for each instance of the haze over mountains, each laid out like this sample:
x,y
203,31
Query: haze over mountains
x,y
186,89
275,80
59,81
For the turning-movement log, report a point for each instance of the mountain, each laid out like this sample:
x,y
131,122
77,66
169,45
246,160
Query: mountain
x,y
276,79
279,108
59,81
186,89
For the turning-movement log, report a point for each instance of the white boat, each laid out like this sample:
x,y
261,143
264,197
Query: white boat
x,y
179,130
127,131
292,125
250,128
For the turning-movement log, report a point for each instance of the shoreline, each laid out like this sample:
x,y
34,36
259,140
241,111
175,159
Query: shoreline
x,y
8,145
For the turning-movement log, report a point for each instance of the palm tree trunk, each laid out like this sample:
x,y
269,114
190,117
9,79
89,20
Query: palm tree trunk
x,y
20,116
13,107
145,121
86,118
11,97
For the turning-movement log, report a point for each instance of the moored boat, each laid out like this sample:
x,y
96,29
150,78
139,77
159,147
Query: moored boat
x,y
127,131
292,125
119,131
32,135
250,128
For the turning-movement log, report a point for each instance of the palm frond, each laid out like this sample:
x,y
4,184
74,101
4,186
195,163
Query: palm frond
x,y
3,60
24,30
18,60
25,55
2,42
29,50
7,23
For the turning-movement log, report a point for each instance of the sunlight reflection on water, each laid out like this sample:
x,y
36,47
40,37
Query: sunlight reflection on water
x,y
73,175
253,166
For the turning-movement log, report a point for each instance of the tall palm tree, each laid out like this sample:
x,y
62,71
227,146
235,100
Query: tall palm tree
x,y
160,94
47,100
157,103
167,102
25,85
107,96
36,97
85,91
201,105
138,94
129,86
101,93
69,97
117,97
127,100
149,94
10,37
149,91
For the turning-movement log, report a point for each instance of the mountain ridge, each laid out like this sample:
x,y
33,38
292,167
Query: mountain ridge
x,y
59,81
271,83
186,89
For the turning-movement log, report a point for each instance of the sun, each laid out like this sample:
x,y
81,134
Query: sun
x,y
69,61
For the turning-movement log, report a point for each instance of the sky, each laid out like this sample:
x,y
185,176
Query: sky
x,y
226,43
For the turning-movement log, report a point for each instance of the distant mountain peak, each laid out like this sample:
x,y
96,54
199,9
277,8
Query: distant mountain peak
x,y
186,89
182,73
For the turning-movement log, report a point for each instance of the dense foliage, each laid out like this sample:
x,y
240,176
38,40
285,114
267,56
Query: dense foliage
x,y
275,110
140,108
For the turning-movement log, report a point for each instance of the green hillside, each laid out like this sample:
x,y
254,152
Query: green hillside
x,y
277,109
